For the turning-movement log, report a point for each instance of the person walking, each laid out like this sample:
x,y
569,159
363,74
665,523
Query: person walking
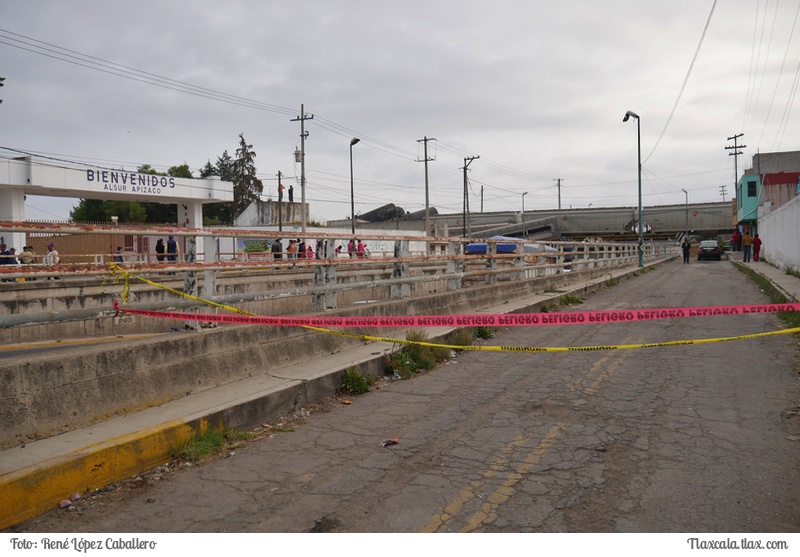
x,y
747,245
686,247
757,243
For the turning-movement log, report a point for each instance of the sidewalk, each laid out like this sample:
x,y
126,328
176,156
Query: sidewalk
x,y
786,283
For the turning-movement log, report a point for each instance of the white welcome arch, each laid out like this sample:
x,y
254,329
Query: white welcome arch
x,y
31,175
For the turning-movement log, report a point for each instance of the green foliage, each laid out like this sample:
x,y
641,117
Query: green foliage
x,y
210,443
569,300
461,337
247,188
483,333
412,359
355,383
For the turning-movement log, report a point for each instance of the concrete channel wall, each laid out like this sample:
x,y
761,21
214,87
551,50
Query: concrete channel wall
x,y
77,386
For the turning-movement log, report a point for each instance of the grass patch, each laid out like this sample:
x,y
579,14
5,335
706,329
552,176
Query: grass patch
x,y
791,318
413,359
569,300
203,446
461,337
355,383
482,333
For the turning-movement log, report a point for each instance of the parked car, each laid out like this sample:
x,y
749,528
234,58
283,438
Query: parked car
x,y
709,249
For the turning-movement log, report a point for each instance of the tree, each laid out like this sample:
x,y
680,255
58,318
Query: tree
x,y
247,188
218,213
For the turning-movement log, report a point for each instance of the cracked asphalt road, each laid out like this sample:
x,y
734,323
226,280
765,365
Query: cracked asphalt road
x,y
700,438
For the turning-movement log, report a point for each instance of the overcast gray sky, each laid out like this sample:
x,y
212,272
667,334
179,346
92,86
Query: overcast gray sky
x,y
537,89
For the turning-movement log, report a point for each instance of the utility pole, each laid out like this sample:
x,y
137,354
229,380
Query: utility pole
x,y
722,191
735,154
303,134
424,141
466,230
280,204
559,192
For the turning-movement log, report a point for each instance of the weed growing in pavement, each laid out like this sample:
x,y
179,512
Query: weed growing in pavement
x,y
461,337
412,359
355,383
205,445
791,318
482,333
569,300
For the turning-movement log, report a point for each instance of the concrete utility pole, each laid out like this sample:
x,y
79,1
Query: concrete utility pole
x,y
303,134
559,192
280,204
425,140
466,230
735,154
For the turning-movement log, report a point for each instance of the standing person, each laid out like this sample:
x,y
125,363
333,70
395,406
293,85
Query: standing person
x,y
160,250
351,248
310,252
756,247
686,247
172,249
361,249
291,193
118,256
277,249
291,251
280,192
747,244
27,257
5,256
736,240
52,258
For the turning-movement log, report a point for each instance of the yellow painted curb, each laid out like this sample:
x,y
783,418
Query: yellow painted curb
x,y
31,491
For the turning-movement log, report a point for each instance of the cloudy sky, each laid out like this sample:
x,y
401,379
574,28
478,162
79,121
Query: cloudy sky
x,y
536,89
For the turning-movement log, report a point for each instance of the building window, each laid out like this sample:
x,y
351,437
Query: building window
x,y
751,189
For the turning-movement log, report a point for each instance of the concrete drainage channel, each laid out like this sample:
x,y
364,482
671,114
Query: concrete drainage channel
x,y
221,384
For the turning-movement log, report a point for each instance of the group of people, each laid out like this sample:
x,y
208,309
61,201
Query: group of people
x,y
9,256
297,249
171,250
747,244
357,248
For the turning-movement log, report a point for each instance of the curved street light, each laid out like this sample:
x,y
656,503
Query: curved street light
x,y
628,115
352,194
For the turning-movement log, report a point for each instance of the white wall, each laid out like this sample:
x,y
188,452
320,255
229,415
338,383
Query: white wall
x,y
780,231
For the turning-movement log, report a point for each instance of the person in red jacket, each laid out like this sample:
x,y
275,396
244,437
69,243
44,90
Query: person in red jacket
x,y
756,247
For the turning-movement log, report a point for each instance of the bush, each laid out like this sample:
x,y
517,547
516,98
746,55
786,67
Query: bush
x,y
355,383
411,359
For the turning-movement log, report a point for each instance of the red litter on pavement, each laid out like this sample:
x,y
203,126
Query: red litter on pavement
x,y
388,442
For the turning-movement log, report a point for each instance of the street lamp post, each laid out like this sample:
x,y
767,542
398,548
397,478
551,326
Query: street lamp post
x,y
523,214
640,225
352,194
687,212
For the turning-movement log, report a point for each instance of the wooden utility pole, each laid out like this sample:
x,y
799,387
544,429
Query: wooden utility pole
x,y
303,134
